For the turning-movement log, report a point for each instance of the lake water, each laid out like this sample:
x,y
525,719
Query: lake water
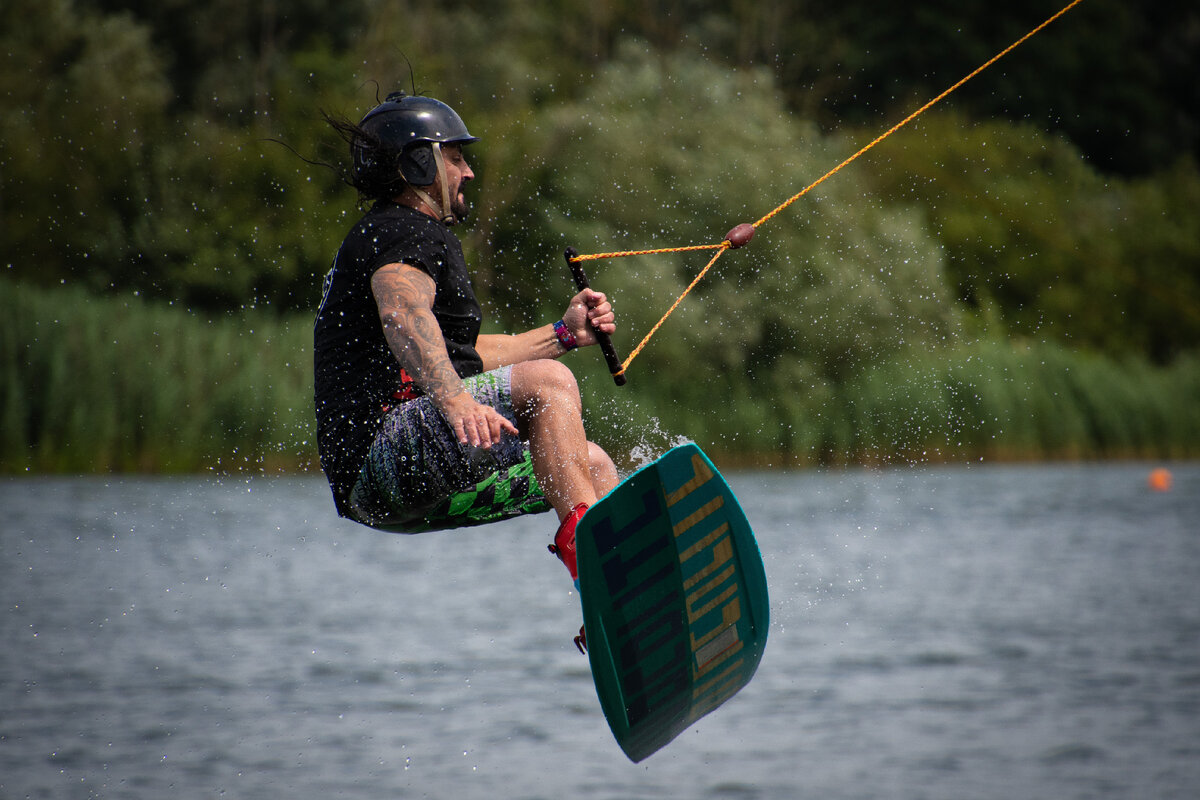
x,y
982,632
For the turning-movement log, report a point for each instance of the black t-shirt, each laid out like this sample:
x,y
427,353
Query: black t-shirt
x,y
355,372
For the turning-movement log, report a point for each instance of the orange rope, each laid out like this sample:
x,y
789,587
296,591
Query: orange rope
x,y
725,245
623,253
916,113
645,339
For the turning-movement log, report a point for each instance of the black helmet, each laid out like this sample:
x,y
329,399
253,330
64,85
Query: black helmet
x,y
399,135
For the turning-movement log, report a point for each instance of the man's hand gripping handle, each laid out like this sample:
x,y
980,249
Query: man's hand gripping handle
x,y
606,345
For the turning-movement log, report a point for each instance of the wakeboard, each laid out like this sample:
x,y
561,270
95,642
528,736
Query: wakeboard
x,y
674,597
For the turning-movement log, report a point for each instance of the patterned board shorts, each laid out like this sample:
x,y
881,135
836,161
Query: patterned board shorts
x,y
417,477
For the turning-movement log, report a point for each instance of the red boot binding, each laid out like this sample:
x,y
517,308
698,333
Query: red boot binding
x,y
564,548
564,541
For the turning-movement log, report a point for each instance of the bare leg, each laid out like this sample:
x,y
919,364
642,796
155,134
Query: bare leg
x,y
604,471
570,469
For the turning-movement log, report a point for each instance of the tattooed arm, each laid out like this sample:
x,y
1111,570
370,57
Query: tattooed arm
x,y
404,295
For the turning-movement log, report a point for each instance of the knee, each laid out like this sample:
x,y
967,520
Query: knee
x,y
596,456
544,382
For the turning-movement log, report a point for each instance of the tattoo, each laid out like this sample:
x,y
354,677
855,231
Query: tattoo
x,y
405,296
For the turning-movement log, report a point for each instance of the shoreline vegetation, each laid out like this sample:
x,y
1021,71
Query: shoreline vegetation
x,y
1015,275
117,384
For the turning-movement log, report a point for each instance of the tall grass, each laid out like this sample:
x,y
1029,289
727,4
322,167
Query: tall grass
x,y
98,384
1020,401
995,400
117,384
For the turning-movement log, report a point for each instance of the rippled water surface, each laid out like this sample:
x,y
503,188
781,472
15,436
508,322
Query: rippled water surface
x,y
984,632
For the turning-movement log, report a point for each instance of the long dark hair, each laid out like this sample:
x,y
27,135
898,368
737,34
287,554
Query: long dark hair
x,y
374,165
368,185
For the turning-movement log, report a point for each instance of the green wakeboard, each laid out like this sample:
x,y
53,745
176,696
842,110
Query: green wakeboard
x,y
674,598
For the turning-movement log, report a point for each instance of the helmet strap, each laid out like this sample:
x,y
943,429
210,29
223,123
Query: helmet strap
x,y
441,210
424,197
446,214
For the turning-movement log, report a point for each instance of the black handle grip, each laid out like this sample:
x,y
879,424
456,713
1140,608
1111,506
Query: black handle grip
x,y
606,345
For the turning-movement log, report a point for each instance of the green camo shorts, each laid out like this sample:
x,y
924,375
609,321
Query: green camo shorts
x,y
418,477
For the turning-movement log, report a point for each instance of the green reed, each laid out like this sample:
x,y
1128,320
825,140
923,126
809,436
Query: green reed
x,y
97,384
93,384
1022,401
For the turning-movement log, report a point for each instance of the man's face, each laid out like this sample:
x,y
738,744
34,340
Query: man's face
x,y
458,172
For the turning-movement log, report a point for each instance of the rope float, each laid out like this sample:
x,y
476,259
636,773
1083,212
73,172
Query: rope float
x,y
741,234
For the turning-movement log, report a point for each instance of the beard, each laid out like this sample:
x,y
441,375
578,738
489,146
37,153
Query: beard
x,y
459,207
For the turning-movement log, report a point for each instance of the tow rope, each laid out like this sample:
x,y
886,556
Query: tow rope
x,y
741,234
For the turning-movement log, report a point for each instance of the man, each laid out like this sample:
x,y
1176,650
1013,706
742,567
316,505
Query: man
x,y
422,422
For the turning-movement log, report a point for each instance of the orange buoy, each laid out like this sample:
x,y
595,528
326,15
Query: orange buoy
x,y
1159,479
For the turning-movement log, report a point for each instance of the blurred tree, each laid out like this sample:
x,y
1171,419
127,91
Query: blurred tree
x,y
1041,241
1118,79
134,149
221,55
670,150
85,96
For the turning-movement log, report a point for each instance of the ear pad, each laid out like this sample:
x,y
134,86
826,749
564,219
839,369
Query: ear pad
x,y
417,164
